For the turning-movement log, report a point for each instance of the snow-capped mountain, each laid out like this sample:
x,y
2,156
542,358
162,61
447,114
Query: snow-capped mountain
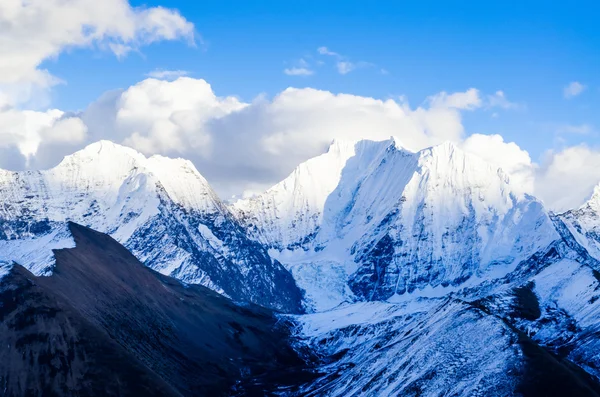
x,y
374,221
584,223
425,273
464,271
161,209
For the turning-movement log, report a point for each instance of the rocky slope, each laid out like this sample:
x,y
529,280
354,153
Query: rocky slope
x,y
161,209
104,324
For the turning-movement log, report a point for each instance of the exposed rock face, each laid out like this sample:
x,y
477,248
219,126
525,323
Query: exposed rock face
x,y
103,324
161,209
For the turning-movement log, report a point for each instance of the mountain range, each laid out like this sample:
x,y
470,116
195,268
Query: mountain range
x,y
369,270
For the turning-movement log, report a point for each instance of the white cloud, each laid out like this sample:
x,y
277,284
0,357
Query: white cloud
x,y
32,31
301,67
467,100
240,146
27,129
573,89
167,74
160,116
65,129
245,147
566,178
345,67
298,71
507,155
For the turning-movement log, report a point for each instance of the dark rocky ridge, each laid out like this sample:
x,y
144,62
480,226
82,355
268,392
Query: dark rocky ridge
x,y
104,324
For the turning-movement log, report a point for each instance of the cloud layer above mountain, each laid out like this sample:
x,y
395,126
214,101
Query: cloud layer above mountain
x,y
243,148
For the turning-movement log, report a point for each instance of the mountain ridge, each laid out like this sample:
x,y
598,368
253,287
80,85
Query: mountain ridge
x,y
105,324
162,209
389,205
379,244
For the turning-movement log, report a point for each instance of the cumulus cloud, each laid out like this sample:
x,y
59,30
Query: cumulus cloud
x,y
566,178
573,89
243,148
27,129
157,116
506,155
32,31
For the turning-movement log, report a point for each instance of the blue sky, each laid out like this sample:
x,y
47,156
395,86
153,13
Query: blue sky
x,y
530,51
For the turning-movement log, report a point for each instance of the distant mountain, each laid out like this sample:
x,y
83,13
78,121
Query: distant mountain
x,y
161,209
104,325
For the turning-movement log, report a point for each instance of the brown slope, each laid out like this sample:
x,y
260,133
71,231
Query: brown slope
x,y
192,338
48,349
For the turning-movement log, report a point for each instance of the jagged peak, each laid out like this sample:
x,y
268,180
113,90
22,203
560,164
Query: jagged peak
x,y
446,147
339,145
594,201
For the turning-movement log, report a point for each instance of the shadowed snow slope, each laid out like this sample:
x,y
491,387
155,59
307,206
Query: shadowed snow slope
x,y
385,222
162,209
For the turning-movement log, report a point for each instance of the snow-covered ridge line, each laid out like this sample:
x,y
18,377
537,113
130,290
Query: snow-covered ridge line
x,y
35,253
386,221
163,210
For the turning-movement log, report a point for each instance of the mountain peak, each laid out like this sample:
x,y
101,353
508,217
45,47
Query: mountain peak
x,y
339,145
444,148
108,147
106,157
594,201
